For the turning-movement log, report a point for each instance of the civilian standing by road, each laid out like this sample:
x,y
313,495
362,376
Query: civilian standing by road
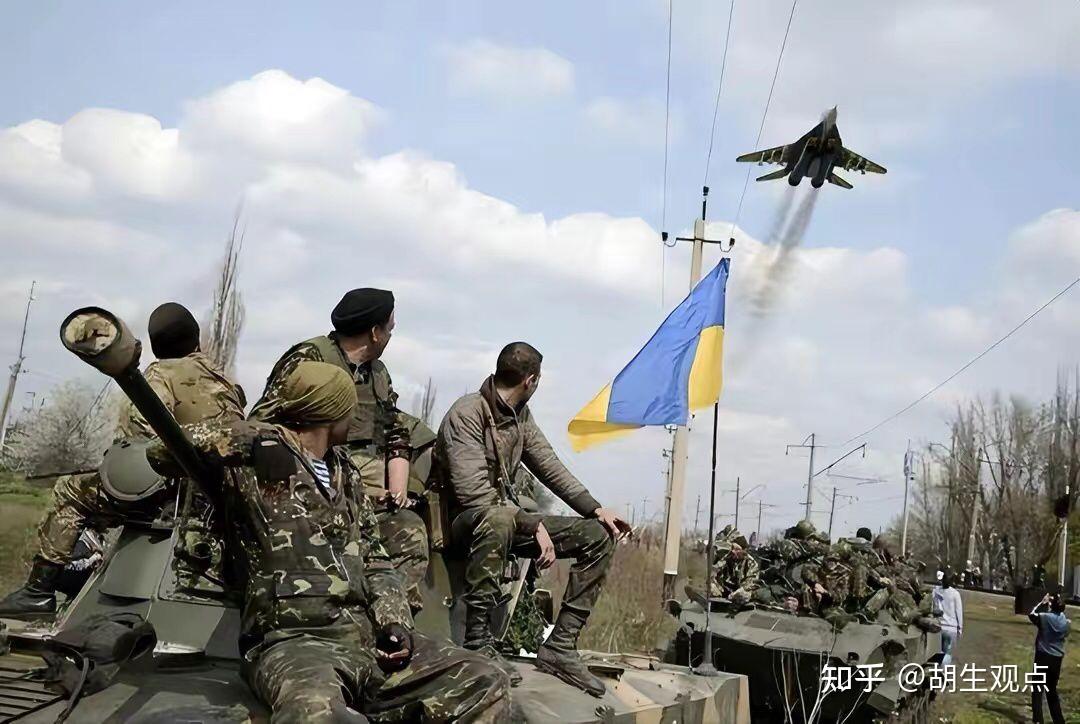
x,y
951,609
1049,617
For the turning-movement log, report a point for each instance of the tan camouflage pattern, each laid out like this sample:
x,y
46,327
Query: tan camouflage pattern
x,y
192,389
76,504
466,457
492,535
319,674
377,422
310,560
735,578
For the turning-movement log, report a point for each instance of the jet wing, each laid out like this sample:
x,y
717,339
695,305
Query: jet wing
x,y
780,154
851,161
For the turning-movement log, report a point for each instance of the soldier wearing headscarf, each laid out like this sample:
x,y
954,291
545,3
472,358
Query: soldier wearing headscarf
x,y
327,633
381,438
192,388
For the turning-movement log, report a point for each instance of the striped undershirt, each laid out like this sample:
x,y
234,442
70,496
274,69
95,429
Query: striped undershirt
x,y
322,477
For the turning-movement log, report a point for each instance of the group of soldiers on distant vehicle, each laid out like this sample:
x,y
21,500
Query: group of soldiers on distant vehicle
x,y
854,579
315,516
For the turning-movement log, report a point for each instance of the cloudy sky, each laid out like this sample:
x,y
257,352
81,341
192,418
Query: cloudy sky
x,y
499,165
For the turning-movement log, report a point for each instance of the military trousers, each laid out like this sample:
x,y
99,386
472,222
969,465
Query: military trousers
x,y
329,674
488,536
405,537
403,531
78,503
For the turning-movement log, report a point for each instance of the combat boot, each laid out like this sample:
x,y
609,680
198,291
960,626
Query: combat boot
x,y
478,638
38,596
559,655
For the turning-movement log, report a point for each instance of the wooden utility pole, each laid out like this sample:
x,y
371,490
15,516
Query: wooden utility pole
x,y
15,370
677,484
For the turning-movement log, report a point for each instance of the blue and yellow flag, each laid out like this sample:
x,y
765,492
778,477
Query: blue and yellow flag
x,y
680,369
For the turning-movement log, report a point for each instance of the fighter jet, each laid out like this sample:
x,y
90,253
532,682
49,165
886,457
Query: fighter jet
x,y
816,155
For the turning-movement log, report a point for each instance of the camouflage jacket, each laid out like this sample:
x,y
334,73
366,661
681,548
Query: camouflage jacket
x,y
477,464
377,421
192,389
312,557
730,574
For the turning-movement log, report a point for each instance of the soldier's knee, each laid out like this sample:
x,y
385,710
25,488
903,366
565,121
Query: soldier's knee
x,y
498,522
596,539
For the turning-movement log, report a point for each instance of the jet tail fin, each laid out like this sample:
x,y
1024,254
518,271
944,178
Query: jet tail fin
x,y
834,179
774,175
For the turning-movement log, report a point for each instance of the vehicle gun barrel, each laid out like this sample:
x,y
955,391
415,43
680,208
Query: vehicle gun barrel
x,y
103,341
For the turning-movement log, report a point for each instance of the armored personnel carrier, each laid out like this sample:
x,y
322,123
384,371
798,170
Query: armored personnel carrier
x,y
192,674
784,655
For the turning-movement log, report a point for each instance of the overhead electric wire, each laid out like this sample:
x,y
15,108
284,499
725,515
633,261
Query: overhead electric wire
x,y
764,115
667,133
719,88
968,364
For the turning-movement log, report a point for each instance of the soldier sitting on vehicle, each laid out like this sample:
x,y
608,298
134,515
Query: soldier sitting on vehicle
x,y
193,390
379,439
327,629
735,570
482,440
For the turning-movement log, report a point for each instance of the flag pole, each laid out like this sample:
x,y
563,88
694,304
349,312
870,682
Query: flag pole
x,y
707,668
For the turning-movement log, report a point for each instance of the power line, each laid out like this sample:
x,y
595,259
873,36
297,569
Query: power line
x,y
667,134
719,87
768,102
969,363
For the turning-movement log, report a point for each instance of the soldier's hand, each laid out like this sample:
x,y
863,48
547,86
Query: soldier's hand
x,y
398,493
616,526
393,647
547,548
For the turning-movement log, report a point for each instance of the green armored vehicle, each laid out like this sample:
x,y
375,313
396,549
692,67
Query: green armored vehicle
x,y
784,656
192,673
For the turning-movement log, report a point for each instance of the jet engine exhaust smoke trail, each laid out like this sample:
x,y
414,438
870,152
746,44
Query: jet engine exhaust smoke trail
x,y
790,238
781,215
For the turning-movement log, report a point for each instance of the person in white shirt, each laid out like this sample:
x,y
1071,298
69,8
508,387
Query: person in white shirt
x,y
948,605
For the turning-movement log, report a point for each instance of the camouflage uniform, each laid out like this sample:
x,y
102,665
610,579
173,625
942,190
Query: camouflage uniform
x,y
481,443
194,391
734,577
320,587
379,432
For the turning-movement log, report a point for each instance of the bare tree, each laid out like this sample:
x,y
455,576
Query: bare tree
x,y
69,432
1027,454
221,333
424,404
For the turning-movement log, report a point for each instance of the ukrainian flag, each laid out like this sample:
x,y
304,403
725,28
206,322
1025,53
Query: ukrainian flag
x,y
678,370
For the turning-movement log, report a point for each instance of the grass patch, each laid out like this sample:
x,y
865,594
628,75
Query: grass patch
x,y
19,515
629,617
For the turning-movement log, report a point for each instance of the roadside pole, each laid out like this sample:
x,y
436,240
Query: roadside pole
x,y
677,483
907,480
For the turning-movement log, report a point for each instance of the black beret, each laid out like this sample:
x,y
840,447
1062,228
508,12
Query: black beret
x,y
361,309
173,331
865,534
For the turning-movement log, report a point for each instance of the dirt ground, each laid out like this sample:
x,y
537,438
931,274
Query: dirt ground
x,y
993,635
